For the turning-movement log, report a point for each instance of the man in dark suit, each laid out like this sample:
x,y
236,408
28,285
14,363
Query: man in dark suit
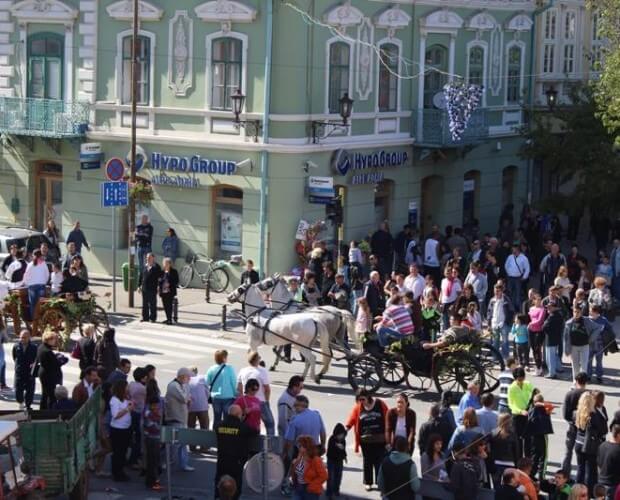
x,y
150,280
24,356
373,293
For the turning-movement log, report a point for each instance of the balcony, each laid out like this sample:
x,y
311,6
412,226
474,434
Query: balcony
x,y
44,118
431,129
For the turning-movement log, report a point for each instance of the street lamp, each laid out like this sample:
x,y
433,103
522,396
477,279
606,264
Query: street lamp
x,y
552,98
345,107
252,127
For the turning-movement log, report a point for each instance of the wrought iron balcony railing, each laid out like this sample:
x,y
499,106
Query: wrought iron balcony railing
x,y
431,128
46,118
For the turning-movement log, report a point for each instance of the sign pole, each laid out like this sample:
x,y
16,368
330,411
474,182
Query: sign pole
x,y
114,237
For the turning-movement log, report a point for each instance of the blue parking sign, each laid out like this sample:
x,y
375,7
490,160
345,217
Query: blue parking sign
x,y
114,194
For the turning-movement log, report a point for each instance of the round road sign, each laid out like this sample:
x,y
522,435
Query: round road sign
x,y
115,169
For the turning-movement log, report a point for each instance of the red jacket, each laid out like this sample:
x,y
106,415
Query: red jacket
x,y
315,474
354,420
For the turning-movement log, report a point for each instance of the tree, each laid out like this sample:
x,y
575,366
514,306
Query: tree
x,y
575,143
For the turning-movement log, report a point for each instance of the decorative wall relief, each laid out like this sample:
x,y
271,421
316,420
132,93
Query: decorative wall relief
x,y
180,53
495,60
365,53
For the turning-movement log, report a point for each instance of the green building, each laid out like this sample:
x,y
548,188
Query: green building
x,y
243,187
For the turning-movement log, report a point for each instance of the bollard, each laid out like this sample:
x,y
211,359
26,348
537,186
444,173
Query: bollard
x,y
224,317
208,292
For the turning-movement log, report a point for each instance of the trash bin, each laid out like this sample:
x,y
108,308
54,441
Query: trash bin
x,y
125,273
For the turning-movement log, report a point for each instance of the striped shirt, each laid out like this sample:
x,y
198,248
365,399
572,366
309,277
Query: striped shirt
x,y
400,319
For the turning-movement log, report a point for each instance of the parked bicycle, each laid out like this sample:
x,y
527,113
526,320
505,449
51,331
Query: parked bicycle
x,y
209,271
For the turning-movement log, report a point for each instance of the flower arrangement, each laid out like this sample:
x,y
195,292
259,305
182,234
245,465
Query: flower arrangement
x,y
141,192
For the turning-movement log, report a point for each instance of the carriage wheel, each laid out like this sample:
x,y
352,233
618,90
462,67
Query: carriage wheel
x,y
56,320
452,372
364,372
493,364
97,317
393,370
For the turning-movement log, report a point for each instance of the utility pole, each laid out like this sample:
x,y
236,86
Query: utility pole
x,y
132,201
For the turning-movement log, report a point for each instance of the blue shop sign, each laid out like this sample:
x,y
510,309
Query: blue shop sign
x,y
343,160
192,164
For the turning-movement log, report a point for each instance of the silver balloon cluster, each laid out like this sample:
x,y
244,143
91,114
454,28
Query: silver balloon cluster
x,y
462,100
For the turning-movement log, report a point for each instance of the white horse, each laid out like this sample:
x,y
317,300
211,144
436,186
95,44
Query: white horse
x,y
269,327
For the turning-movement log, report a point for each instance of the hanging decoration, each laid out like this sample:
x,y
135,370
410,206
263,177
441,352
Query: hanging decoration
x,y
462,100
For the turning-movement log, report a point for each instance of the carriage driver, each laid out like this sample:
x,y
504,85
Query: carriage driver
x,y
453,335
395,323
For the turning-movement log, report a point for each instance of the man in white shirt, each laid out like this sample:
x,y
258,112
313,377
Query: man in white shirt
x,y
518,271
260,373
414,282
36,278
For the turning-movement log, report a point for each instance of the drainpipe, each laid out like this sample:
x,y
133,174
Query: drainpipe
x,y
532,78
264,154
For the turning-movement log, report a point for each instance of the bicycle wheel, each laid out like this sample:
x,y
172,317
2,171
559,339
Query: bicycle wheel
x,y
218,280
186,276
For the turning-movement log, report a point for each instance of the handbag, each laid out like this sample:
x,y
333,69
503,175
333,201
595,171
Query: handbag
x,y
76,352
586,441
210,400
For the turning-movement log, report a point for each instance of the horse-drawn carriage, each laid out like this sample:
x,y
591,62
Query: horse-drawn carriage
x,y
61,314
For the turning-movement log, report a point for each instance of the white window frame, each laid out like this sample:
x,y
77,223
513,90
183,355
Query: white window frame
x,y
551,13
119,64
521,46
244,64
565,59
485,67
399,44
567,15
544,69
328,45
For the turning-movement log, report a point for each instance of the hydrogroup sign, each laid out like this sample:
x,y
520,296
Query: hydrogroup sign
x,y
192,164
344,161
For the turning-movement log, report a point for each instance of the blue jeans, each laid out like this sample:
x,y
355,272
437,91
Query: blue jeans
x,y
598,355
514,290
334,477
267,418
384,334
300,493
179,451
220,409
501,340
35,292
552,358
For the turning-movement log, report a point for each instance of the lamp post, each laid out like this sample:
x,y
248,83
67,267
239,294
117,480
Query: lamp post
x,y
345,107
252,127
552,98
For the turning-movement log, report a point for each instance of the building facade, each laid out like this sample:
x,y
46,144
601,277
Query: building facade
x,y
65,80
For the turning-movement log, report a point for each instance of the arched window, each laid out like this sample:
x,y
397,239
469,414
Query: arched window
x,y
226,66
436,62
143,51
45,66
475,75
388,81
339,71
513,86
228,223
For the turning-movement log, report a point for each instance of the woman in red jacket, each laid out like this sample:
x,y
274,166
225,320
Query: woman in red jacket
x,y
368,420
400,421
308,472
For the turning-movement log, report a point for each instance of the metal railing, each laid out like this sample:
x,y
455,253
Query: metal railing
x,y
431,128
51,118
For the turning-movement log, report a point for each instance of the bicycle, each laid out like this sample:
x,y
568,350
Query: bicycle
x,y
215,273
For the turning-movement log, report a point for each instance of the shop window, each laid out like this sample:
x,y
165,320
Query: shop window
x,y
226,69
228,223
436,63
339,73
388,80
383,198
45,66
143,52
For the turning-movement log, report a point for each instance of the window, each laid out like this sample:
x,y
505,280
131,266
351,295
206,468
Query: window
x,y
569,58
45,66
596,56
550,22
388,81
436,65
548,58
339,70
143,56
225,71
513,91
569,26
476,66
228,223
596,35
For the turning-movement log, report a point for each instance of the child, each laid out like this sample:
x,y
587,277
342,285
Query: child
x,y
429,287
431,319
336,456
522,346
355,254
600,492
152,431
505,379
557,488
56,279
604,270
538,427
363,320
473,316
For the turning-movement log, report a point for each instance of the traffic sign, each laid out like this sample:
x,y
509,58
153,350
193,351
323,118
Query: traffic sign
x,y
114,169
114,194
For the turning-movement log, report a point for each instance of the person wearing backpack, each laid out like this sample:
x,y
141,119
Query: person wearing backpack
x,y
578,332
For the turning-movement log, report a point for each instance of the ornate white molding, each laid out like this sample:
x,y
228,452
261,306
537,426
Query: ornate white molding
x,y
392,19
495,60
442,20
43,11
181,53
520,22
123,11
225,12
343,16
505,5
481,21
363,75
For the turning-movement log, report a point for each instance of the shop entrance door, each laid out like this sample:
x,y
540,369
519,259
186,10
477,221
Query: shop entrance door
x,y
48,202
383,195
